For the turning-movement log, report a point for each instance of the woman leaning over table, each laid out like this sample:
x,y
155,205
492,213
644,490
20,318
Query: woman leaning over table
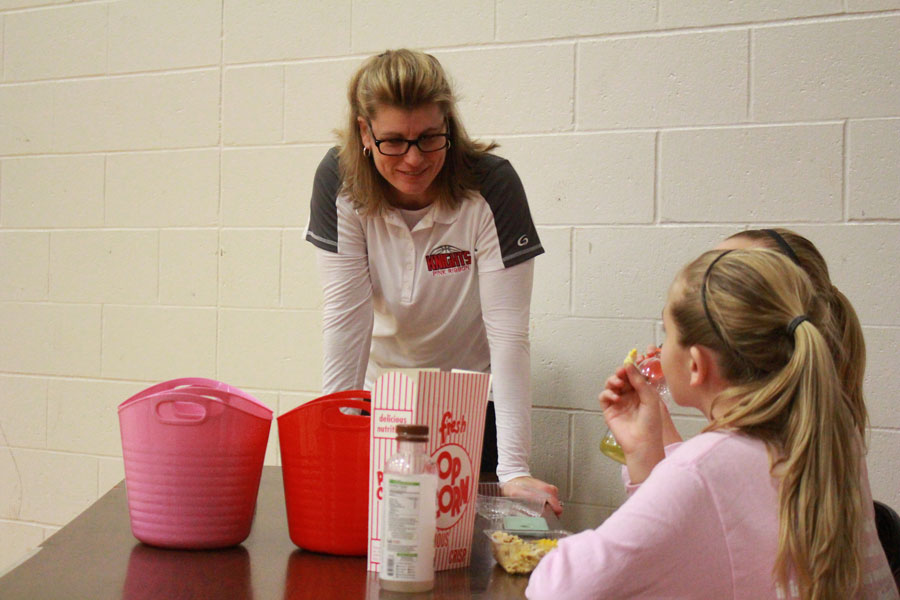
x,y
425,251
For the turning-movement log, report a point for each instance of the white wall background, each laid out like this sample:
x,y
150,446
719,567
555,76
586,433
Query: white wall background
x,y
156,160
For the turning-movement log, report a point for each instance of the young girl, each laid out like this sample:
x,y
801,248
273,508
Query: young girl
x,y
772,500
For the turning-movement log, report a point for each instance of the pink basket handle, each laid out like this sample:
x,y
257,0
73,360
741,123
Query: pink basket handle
x,y
189,382
197,394
176,408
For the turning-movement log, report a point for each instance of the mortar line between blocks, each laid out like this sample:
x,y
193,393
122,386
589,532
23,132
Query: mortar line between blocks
x,y
845,170
575,87
106,65
219,218
496,17
572,270
657,177
749,108
570,467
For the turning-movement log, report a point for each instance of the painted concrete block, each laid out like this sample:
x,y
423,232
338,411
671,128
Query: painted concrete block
x,y
162,189
157,343
52,191
586,179
659,81
873,176
827,70
739,174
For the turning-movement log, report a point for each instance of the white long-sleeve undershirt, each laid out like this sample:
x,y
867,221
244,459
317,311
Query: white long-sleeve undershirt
x,y
505,296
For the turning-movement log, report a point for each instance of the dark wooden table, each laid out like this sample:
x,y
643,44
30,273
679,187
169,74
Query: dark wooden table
x,y
95,557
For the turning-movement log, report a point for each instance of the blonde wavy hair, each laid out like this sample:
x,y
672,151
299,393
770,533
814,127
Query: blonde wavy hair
x,y
405,79
842,327
784,391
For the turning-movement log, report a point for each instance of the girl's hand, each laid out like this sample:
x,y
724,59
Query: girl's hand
x,y
533,489
670,432
633,412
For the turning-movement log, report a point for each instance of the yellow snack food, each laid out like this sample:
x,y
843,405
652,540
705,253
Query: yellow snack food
x,y
517,555
629,360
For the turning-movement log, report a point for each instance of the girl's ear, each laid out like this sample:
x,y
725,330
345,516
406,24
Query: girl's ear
x,y
700,366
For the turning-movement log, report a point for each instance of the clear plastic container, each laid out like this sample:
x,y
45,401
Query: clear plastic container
x,y
494,506
520,551
651,368
409,514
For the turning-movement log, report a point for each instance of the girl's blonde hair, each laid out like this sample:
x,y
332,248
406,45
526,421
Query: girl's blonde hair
x,y
404,79
785,391
842,328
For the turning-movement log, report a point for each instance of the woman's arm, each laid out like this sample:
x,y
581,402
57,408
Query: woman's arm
x,y
347,317
505,306
342,259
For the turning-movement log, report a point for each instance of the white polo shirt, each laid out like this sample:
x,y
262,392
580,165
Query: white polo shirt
x,y
397,296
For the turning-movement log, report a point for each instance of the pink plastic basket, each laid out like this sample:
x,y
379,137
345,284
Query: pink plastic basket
x,y
193,451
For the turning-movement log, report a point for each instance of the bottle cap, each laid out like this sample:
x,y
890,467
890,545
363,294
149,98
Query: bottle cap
x,y
415,433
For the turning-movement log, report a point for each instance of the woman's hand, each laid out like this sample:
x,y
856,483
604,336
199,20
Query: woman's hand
x,y
533,489
633,412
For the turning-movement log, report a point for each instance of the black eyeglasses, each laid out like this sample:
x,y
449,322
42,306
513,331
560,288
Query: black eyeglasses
x,y
431,142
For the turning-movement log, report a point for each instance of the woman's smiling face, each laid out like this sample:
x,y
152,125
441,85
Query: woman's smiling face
x,y
411,174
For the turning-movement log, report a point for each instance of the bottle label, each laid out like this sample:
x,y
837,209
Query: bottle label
x,y
407,543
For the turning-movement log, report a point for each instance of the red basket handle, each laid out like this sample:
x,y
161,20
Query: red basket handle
x,y
347,395
333,418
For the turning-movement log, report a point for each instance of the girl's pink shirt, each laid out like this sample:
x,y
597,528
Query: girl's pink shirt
x,y
703,525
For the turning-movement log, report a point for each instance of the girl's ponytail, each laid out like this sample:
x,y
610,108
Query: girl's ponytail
x,y
850,348
820,507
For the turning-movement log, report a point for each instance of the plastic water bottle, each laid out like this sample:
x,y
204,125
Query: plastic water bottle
x,y
651,369
409,514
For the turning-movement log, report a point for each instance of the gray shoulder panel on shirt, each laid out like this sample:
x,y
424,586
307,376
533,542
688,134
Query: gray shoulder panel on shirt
x,y
322,228
502,189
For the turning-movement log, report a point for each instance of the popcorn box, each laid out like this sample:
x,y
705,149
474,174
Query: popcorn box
x,y
453,405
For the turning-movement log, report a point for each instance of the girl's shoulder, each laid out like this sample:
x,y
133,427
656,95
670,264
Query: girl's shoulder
x,y
714,449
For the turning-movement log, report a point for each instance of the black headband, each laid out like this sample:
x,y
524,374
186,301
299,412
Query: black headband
x,y
703,296
782,243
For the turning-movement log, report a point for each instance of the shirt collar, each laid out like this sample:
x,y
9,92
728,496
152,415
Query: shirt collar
x,y
439,213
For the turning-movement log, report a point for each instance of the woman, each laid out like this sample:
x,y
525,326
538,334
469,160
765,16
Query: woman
x,y
772,500
425,251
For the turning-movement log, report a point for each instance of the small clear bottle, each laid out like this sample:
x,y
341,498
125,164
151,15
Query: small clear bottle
x,y
651,368
409,514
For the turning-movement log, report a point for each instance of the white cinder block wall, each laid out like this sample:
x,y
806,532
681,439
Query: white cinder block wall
x,y
156,160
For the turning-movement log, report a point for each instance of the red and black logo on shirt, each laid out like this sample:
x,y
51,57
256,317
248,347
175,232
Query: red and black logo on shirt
x,y
448,259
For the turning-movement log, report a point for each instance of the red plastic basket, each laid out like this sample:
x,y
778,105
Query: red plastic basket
x,y
325,465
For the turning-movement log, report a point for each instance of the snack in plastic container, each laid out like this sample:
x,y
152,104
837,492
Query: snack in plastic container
x,y
520,551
